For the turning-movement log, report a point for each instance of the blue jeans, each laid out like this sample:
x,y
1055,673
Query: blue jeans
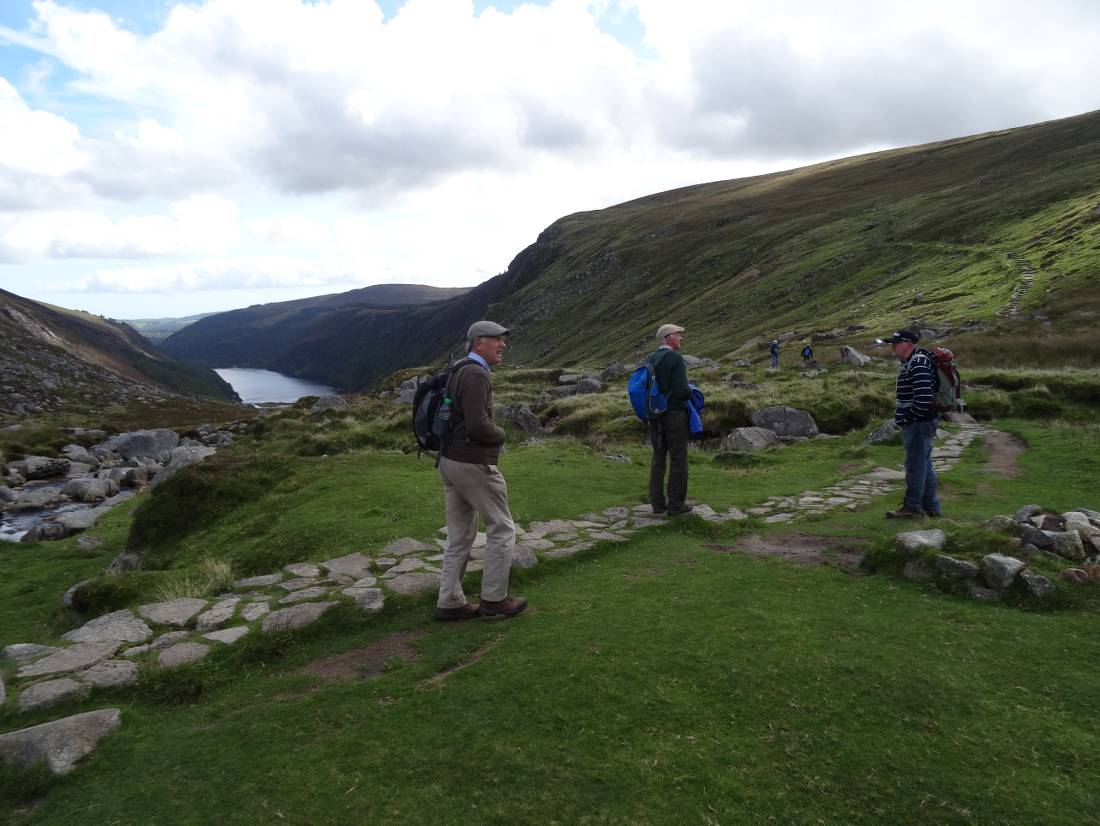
x,y
920,476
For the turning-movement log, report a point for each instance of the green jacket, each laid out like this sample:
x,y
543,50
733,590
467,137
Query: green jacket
x,y
672,377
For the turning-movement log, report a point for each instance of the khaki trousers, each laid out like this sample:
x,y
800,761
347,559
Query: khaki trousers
x,y
470,490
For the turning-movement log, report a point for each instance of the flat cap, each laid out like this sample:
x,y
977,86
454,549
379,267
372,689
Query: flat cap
x,y
483,329
666,330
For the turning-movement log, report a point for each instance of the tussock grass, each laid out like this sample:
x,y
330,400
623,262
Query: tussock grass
x,y
212,576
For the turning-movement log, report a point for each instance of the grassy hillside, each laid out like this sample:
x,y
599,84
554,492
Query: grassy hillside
x,y
937,236
994,233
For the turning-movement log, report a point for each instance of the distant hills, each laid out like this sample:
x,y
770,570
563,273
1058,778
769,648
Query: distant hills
x,y
993,229
157,330
55,360
304,337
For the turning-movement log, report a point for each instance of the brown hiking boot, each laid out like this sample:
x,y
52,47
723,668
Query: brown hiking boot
x,y
461,612
904,513
507,607
680,511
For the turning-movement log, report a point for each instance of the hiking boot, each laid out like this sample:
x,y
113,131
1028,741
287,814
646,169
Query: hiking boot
x,y
508,607
932,514
904,513
461,612
680,511
659,510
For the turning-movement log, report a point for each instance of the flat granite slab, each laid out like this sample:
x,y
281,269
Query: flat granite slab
x,y
82,655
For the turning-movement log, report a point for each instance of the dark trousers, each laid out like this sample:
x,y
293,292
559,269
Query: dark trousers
x,y
669,436
920,476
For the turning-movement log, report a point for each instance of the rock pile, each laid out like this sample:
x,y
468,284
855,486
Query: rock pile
x,y
100,476
1072,536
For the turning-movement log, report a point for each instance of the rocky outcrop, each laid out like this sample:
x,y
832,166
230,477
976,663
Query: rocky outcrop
x,y
887,433
520,416
849,355
750,438
338,403
786,421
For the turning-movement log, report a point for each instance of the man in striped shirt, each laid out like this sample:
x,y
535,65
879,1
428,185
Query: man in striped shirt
x,y
918,417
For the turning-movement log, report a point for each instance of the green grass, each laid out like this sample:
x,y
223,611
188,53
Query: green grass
x,y
33,576
654,682
659,682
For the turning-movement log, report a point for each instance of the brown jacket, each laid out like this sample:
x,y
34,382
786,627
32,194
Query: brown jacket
x,y
475,437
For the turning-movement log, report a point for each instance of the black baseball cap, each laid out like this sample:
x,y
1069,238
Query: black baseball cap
x,y
901,335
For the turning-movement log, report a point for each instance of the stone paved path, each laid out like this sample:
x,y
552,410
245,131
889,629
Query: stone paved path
x,y
106,651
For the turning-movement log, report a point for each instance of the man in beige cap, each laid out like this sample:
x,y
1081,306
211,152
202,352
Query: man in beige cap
x,y
670,433
473,486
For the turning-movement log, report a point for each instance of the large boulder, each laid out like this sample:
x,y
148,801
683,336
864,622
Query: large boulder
x,y
589,385
154,444
90,490
1067,544
78,453
849,355
39,467
60,743
521,416
786,421
181,457
912,543
614,371
1000,571
694,362
37,499
886,433
750,438
338,403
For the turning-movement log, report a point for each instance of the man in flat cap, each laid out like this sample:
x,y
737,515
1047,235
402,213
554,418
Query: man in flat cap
x,y
670,433
473,485
917,416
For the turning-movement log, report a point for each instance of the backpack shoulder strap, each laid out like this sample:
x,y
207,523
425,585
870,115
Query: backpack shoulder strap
x,y
453,369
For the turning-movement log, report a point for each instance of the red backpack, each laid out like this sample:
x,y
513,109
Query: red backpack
x,y
948,381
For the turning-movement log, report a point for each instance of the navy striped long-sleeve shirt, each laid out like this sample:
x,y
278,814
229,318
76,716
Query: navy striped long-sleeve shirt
x,y
916,390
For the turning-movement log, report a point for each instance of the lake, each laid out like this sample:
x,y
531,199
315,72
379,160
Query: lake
x,y
258,386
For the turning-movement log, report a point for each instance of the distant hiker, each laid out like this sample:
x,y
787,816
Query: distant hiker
x,y
669,432
807,354
774,350
918,417
473,485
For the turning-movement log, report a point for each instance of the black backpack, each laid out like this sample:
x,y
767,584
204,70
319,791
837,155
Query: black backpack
x,y
431,416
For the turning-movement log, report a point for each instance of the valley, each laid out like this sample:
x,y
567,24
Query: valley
x,y
261,594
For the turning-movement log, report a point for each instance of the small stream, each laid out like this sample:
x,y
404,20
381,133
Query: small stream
x,y
14,524
252,385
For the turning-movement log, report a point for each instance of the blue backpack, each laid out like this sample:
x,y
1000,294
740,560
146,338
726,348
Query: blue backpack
x,y
646,399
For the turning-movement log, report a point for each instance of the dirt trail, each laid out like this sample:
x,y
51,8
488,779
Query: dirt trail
x,y
843,552
1003,450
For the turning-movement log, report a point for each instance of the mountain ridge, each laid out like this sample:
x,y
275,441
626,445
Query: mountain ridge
x,y
936,235
53,358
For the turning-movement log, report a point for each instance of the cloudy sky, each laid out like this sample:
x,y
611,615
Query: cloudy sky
x,y
162,158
